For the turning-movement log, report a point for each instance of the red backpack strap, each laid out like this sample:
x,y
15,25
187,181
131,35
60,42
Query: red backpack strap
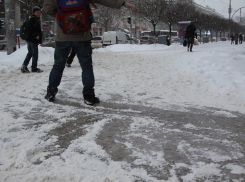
x,y
94,6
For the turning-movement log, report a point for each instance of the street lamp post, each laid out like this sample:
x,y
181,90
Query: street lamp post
x,y
236,11
229,10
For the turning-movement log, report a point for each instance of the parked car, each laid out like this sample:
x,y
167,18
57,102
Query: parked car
x,y
112,37
162,39
147,40
134,40
175,39
3,42
214,39
49,42
97,42
49,39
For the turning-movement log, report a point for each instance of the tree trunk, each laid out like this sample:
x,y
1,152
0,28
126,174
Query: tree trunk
x,y
170,30
154,28
10,26
107,25
200,35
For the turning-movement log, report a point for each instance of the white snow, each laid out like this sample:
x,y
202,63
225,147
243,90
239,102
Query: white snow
x,y
166,77
213,75
236,169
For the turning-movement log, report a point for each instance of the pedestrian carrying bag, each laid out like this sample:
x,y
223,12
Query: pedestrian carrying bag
x,y
74,16
184,43
24,29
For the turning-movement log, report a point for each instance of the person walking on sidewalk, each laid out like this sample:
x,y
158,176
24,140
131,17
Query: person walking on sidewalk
x,y
34,37
236,38
240,38
82,44
190,35
232,38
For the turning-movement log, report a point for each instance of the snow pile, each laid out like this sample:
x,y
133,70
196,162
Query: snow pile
x,y
9,63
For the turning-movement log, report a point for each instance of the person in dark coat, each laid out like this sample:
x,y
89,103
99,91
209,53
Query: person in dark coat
x,y
190,35
232,38
236,38
34,37
240,38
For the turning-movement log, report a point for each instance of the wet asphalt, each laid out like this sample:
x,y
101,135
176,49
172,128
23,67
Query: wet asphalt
x,y
208,136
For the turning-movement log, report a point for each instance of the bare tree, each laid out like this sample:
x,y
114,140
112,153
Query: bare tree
x,y
171,13
152,11
104,16
29,4
32,3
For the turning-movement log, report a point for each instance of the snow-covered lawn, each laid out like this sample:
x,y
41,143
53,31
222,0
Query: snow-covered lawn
x,y
147,76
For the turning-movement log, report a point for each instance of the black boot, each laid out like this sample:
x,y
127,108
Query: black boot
x,y
191,48
68,65
50,96
36,70
24,69
90,99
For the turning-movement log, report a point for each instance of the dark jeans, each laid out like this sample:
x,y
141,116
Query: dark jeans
x,y
190,43
190,46
32,53
71,56
84,54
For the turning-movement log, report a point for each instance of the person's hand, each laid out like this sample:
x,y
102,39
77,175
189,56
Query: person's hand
x,y
37,37
128,5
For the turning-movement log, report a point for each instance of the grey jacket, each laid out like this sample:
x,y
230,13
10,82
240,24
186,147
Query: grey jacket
x,y
50,7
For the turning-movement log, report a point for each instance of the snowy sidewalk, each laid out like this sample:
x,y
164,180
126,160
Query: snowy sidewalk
x,y
166,115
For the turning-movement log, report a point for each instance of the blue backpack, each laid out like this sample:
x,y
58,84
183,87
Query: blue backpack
x,y
74,16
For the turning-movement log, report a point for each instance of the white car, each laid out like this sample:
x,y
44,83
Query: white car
x,y
97,42
112,37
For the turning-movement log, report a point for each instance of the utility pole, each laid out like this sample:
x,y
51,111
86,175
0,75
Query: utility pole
x,y
17,16
129,20
10,26
131,33
240,15
229,10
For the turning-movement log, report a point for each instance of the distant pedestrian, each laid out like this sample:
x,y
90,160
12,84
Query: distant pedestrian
x,y
240,38
71,57
190,36
34,37
236,38
232,38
